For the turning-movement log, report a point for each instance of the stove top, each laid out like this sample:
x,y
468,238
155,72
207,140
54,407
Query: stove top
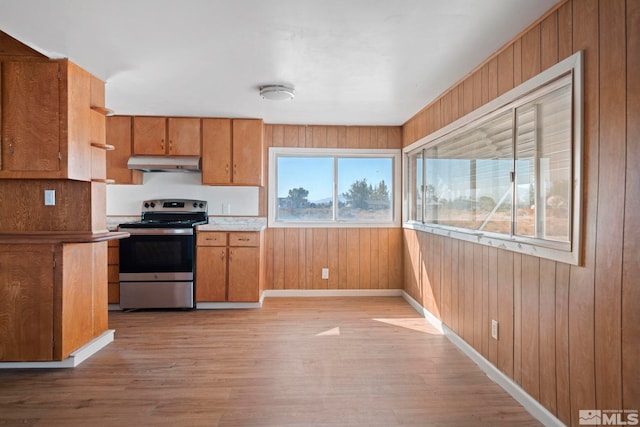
x,y
171,213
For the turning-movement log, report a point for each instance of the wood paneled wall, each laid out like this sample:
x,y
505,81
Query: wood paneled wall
x,y
569,335
357,258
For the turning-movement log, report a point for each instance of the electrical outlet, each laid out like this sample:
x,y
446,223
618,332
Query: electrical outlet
x,y
325,273
49,197
494,329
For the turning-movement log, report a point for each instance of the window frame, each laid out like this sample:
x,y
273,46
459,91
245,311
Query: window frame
x,y
336,153
534,88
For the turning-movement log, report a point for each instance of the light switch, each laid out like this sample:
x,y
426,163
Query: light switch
x,y
49,197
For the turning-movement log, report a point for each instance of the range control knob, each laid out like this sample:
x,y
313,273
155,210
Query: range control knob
x,y
153,205
201,205
146,205
195,205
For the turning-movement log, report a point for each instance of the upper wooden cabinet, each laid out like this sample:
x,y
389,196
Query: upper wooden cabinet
x,y
232,152
46,120
179,136
118,135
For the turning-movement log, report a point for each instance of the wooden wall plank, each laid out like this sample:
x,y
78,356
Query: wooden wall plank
x,y
505,310
278,258
563,396
396,277
505,70
364,251
547,328
384,257
342,259
456,311
437,274
486,319
320,257
309,258
517,318
611,184
290,258
353,258
581,290
631,246
478,338
493,294
447,281
549,41
333,254
467,292
531,53
530,325
374,258
302,260
565,30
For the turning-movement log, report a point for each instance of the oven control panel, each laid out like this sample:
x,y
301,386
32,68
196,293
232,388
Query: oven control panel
x,y
174,205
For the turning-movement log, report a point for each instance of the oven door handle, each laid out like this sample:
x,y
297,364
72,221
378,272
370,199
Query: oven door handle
x,y
157,231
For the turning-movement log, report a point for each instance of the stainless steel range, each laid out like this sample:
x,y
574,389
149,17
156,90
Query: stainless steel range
x,y
157,263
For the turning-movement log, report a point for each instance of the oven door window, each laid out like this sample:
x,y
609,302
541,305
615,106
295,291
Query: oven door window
x,y
158,254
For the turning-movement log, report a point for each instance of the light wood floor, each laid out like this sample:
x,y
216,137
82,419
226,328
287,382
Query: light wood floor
x,y
295,362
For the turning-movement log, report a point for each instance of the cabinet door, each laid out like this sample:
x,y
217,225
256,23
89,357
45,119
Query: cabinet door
x,y
31,116
118,132
247,152
211,273
216,151
149,135
244,274
184,136
26,303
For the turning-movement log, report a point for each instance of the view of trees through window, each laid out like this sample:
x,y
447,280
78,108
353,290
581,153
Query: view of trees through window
x,y
476,181
323,188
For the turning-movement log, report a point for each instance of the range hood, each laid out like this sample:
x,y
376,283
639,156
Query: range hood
x,y
164,163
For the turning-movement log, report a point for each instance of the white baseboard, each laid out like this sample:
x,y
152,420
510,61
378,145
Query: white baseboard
x,y
74,359
534,407
286,293
227,305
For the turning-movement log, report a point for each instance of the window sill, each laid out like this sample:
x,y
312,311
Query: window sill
x,y
518,245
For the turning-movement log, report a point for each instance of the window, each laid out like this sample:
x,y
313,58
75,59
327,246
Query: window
x,y
507,175
313,187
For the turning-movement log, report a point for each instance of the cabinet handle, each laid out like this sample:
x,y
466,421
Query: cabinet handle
x,y
244,239
222,257
170,146
162,144
11,149
235,169
230,255
226,169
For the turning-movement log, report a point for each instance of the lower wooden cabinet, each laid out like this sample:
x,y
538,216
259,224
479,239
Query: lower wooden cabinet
x,y
229,266
53,299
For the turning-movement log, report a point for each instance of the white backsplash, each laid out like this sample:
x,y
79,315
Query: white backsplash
x,y
126,200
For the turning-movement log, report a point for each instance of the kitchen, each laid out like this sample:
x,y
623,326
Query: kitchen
x,y
536,301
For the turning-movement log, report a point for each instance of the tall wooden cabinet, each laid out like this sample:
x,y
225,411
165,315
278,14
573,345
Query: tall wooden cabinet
x,y
232,152
229,266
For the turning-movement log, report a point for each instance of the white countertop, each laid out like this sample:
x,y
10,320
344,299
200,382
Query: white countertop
x,y
234,223
216,223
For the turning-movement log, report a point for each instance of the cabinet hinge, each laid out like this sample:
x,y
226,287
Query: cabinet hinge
x,y
53,343
59,75
60,155
54,263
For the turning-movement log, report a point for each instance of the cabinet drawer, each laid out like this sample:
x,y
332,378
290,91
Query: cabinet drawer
x,y
244,239
211,238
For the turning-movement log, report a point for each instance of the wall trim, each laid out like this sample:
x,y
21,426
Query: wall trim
x,y
286,293
532,406
74,359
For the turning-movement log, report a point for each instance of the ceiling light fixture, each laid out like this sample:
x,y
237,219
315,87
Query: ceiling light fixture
x,y
277,92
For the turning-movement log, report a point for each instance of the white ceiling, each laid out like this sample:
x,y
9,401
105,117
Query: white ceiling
x,y
366,62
